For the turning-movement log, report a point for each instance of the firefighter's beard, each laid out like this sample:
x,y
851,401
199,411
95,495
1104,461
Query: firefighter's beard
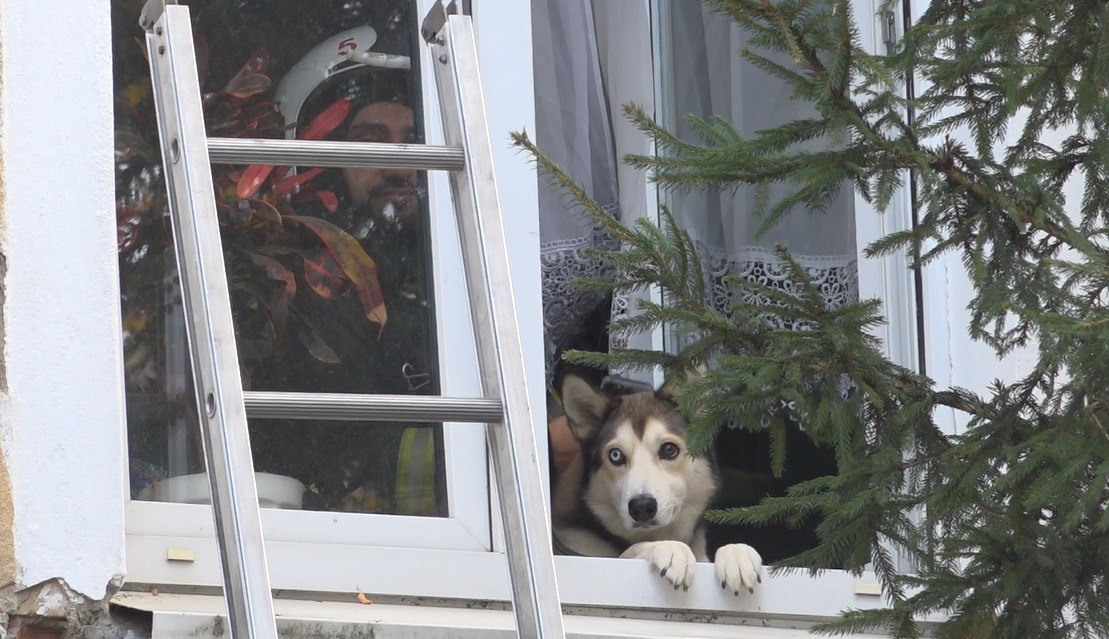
x,y
391,209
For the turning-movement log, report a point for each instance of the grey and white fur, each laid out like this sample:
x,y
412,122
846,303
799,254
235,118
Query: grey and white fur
x,y
635,491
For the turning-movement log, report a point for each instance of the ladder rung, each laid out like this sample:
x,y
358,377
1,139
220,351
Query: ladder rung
x,y
356,407
329,153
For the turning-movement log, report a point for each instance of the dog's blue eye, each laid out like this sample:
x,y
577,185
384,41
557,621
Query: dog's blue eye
x,y
668,450
616,456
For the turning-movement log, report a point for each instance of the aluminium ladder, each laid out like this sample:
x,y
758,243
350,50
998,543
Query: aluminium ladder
x,y
223,405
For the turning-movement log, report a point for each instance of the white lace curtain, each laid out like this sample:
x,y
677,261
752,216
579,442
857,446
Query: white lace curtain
x,y
709,78
594,56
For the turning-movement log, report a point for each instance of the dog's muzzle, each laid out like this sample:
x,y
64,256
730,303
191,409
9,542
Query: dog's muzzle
x,y
642,508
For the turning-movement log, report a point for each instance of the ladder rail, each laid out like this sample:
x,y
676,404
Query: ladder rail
x,y
208,325
500,351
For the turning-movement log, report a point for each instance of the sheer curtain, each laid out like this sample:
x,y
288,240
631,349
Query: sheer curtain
x,y
709,78
590,59
594,56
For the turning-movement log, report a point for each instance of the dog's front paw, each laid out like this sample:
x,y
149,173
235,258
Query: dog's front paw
x,y
738,567
673,559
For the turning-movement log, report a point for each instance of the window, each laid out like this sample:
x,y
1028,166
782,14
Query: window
x,y
674,59
309,315
335,538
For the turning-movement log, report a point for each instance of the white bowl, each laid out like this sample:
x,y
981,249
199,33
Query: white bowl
x,y
274,491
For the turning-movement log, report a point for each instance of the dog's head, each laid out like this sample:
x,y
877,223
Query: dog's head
x,y
640,476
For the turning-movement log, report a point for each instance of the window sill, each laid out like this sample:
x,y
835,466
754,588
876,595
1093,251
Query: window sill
x,y
178,615
623,583
588,582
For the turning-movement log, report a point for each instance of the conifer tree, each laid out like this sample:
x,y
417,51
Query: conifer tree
x,y
1007,524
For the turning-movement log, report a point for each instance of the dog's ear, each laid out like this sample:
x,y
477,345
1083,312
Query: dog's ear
x,y
586,407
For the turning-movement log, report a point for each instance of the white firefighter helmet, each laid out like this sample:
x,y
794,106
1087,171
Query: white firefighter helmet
x,y
342,53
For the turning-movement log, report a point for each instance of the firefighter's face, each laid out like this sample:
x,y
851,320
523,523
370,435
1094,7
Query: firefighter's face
x,y
388,192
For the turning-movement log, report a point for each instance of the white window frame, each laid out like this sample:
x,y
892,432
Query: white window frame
x,y
328,543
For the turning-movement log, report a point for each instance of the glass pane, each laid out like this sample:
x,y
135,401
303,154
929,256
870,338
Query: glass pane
x,y
329,268
706,77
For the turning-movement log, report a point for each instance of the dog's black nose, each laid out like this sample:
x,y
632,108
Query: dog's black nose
x,y
643,508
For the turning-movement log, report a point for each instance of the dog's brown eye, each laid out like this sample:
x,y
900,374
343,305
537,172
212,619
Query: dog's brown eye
x,y
669,450
616,456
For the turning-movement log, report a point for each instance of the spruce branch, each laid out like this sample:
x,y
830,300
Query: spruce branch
x,y
1009,532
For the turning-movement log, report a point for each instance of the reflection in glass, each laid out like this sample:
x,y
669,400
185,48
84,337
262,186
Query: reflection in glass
x,y
328,268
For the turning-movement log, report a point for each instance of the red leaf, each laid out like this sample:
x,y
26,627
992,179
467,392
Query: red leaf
x,y
256,64
330,201
352,258
273,250
265,210
326,121
324,275
276,271
320,126
252,179
293,183
251,85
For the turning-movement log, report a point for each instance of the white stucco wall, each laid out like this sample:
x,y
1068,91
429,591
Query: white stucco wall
x,y
61,411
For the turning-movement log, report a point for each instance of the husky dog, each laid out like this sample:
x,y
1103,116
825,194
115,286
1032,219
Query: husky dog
x,y
635,491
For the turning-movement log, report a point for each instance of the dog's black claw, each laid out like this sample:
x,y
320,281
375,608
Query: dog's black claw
x,y
724,585
759,578
675,586
751,590
663,572
685,588
736,593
